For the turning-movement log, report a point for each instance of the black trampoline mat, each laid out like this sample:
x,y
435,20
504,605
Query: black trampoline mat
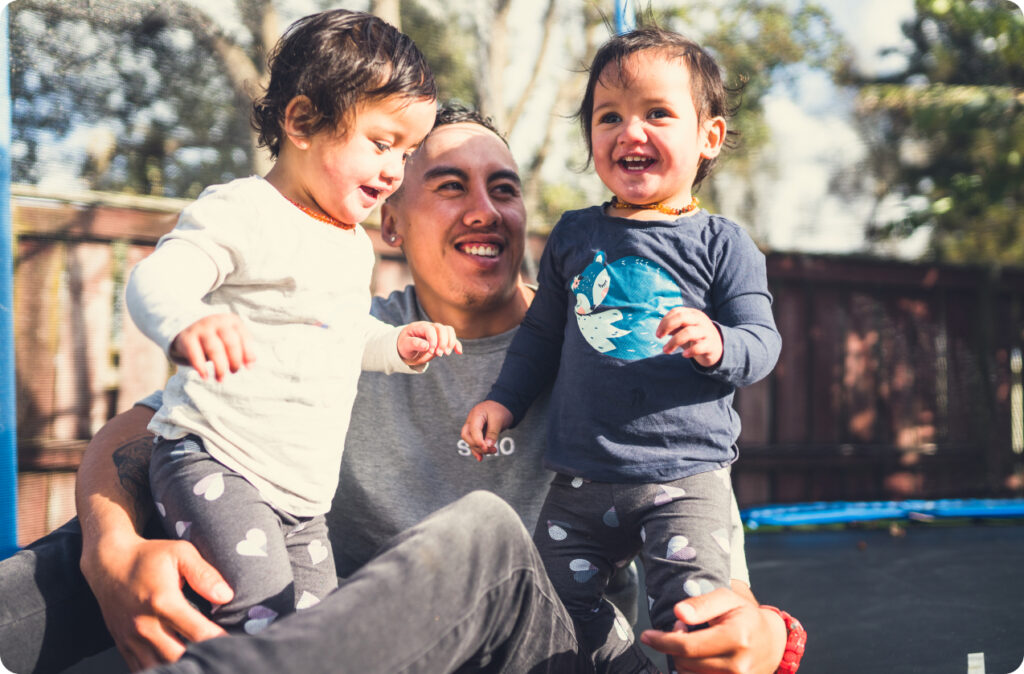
x,y
920,602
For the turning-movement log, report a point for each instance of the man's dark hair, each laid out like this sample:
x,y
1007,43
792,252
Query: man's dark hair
x,y
338,59
706,86
453,112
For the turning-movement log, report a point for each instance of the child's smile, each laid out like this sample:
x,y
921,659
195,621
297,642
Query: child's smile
x,y
635,162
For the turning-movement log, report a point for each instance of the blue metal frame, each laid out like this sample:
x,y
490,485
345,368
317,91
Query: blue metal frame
x,y
8,415
625,16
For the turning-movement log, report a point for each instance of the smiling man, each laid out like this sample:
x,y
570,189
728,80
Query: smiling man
x,y
460,220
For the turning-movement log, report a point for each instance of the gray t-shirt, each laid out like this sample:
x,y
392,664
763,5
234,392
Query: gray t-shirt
x,y
404,457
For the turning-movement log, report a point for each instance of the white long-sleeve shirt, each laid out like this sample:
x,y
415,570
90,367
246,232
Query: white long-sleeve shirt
x,y
301,288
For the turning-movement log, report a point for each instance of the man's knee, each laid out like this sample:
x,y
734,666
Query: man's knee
x,y
491,506
483,518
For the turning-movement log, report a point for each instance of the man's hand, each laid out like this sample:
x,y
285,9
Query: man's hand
x,y
138,582
483,425
740,639
421,341
692,331
220,339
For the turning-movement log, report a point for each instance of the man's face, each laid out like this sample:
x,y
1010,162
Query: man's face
x,y
461,219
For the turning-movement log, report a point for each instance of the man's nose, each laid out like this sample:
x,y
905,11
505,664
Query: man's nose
x,y
481,210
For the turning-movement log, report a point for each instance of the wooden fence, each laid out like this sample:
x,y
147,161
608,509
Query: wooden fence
x,y
896,380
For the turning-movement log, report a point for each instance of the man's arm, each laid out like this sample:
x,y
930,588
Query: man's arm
x,y
137,582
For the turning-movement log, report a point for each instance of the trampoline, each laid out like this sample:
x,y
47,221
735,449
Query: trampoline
x,y
944,580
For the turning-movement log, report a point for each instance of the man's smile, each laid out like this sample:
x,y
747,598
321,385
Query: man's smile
x,y
481,245
480,249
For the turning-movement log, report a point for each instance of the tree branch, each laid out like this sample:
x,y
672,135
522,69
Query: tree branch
x,y
549,26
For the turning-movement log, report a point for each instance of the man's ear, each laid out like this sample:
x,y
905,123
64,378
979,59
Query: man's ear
x,y
389,226
298,115
714,137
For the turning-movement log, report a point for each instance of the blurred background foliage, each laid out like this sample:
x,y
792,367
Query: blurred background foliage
x,y
152,97
947,133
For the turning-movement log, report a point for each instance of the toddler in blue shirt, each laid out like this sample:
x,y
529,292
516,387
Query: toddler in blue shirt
x,y
641,439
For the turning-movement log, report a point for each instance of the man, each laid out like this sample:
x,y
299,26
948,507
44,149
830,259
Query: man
x,y
460,220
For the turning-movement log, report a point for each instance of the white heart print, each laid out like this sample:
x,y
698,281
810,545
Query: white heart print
x,y
254,545
210,487
317,552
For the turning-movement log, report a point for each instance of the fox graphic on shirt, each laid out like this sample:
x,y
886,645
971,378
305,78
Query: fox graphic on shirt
x,y
619,305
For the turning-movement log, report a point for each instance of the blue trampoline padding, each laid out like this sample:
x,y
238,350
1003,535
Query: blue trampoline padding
x,y
831,512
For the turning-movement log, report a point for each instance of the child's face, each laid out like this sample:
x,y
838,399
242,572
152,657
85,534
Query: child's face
x,y
645,133
348,174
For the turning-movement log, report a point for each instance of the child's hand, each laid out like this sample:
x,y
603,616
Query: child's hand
x,y
420,342
694,333
485,421
220,339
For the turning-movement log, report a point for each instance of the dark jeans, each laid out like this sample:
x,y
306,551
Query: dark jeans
x,y
464,591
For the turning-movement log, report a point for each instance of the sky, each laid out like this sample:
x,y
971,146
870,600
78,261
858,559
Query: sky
x,y
812,136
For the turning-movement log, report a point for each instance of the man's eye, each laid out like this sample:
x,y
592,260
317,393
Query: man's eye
x,y
507,190
450,186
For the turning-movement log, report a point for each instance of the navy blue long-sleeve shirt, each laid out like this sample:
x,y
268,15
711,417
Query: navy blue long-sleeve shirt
x,y
621,410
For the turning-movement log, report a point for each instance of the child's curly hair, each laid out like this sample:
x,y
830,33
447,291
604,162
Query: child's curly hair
x,y
338,59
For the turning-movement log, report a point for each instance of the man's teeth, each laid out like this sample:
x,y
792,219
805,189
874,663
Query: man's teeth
x,y
482,250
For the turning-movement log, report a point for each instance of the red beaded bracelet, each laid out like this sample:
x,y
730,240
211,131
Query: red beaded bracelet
x,y
796,641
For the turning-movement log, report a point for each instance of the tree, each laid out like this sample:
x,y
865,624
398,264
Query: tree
x,y
947,131
757,42
165,88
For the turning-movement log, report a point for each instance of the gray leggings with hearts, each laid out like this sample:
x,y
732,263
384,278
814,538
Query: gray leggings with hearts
x,y
679,529
275,563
